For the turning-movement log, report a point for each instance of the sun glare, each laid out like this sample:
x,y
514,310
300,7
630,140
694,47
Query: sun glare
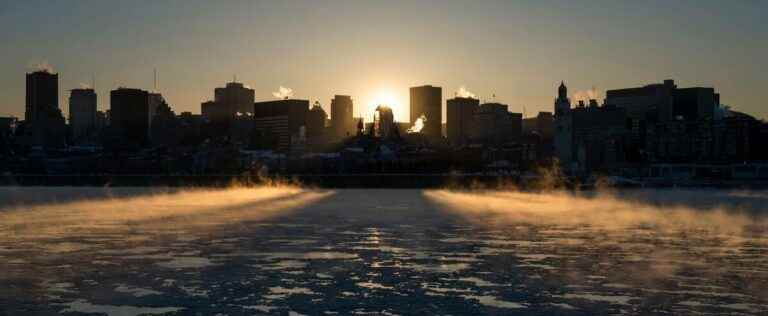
x,y
390,99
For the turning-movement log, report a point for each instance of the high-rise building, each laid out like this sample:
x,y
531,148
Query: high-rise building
x,y
460,112
82,112
384,122
42,94
427,101
130,115
653,103
44,124
493,123
235,97
342,122
316,118
563,143
279,120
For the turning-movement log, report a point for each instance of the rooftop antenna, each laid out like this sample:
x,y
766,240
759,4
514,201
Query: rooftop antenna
x,y
93,82
234,78
154,86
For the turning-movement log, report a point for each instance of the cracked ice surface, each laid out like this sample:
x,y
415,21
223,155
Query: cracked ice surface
x,y
307,252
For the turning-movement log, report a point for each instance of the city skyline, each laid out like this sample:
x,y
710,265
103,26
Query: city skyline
x,y
516,51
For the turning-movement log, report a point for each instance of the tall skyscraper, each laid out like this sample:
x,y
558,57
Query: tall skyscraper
x,y
342,121
316,118
384,122
427,101
279,120
82,112
563,128
460,112
42,94
130,115
235,98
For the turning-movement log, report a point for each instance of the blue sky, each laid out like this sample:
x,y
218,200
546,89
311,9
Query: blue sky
x,y
517,50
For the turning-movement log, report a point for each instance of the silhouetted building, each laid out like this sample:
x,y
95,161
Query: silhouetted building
x,y
342,122
8,125
42,94
494,124
316,118
460,113
384,122
652,102
599,136
563,143
102,120
427,101
164,128
82,112
235,97
276,121
696,103
44,124
130,116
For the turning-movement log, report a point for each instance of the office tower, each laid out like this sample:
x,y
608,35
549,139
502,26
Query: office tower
x,y
275,122
342,122
82,112
130,114
316,118
45,125
493,123
460,112
427,101
42,94
384,122
235,98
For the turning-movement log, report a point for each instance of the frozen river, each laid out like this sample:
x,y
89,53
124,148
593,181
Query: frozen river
x,y
292,251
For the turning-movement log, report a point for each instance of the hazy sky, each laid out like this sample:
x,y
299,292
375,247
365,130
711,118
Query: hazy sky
x,y
517,50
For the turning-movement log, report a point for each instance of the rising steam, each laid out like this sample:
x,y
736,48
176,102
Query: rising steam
x,y
418,125
283,93
183,210
464,93
586,95
42,65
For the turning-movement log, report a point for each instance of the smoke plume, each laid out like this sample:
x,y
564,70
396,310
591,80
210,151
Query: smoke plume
x,y
283,93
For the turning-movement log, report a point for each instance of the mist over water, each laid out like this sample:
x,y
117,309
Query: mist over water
x,y
287,249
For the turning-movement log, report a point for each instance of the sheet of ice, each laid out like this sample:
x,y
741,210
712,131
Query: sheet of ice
x,y
83,306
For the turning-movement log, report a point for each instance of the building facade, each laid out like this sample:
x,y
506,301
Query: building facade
x,y
427,101
82,112
342,120
460,112
130,115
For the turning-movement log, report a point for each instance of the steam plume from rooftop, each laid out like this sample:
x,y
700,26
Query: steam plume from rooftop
x,y
418,125
283,93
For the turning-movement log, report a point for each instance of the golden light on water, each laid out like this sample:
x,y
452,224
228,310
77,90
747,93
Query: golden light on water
x,y
162,212
601,211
